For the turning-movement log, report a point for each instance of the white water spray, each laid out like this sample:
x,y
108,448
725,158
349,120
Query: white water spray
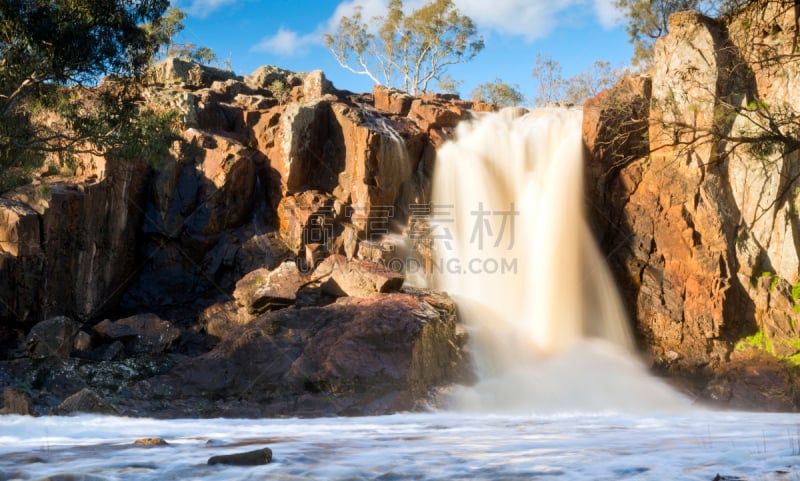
x,y
548,330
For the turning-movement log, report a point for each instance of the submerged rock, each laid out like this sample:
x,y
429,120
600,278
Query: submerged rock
x,y
250,458
150,442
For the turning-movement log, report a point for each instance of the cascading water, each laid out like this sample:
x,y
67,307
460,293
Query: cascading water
x,y
548,330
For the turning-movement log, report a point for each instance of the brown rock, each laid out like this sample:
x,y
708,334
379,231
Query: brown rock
x,y
356,278
308,217
369,355
84,401
263,290
149,442
143,333
88,237
392,101
19,229
436,115
16,402
250,458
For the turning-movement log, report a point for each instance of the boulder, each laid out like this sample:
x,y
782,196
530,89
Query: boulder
x,y
250,458
264,290
15,402
84,401
368,355
143,333
356,278
173,71
54,338
315,85
265,75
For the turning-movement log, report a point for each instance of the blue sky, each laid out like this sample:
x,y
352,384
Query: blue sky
x,y
288,33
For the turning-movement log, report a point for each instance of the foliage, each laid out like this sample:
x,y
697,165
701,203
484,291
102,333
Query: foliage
x,y
549,80
406,51
552,87
166,30
498,93
51,52
280,91
647,20
760,341
448,85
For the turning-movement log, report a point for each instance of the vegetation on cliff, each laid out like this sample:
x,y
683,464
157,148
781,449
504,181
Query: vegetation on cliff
x,y
53,55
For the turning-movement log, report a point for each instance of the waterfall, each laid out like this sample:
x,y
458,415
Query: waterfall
x,y
547,327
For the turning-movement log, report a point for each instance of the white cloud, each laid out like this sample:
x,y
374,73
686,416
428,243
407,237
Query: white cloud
x,y
607,12
203,8
369,10
530,19
287,42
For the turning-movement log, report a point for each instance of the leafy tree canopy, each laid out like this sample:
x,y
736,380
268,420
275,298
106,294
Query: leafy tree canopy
x,y
498,93
166,30
50,51
406,51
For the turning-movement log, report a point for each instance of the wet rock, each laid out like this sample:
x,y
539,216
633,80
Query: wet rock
x,y
356,278
149,442
84,401
53,338
250,458
263,290
15,402
144,333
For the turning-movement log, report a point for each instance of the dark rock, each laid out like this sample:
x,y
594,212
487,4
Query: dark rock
x,y
250,458
16,402
53,338
84,401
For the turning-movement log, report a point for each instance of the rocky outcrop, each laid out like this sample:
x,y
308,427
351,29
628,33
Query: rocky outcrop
x,y
701,228
198,281
369,355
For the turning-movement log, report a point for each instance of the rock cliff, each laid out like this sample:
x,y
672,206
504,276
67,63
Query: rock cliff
x,y
151,282
693,185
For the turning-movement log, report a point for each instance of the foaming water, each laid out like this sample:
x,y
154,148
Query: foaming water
x,y
427,447
548,329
